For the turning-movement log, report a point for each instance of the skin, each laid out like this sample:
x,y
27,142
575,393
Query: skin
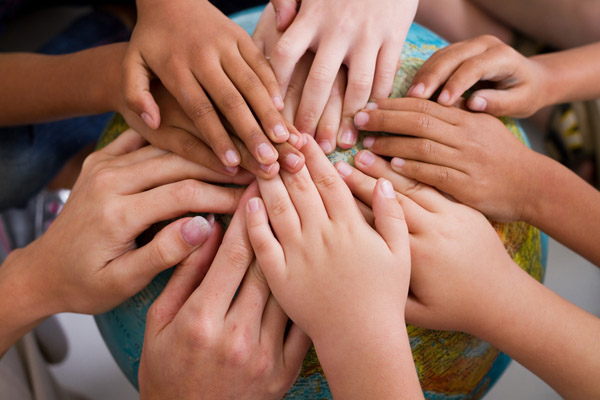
x,y
266,36
476,160
73,268
214,66
213,342
336,33
318,228
468,285
520,85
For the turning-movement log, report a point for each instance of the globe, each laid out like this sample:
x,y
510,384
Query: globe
x,y
450,365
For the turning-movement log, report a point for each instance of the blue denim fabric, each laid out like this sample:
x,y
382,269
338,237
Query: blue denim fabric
x,y
30,156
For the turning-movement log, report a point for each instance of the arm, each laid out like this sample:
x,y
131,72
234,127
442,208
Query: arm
x,y
348,299
72,268
470,284
39,87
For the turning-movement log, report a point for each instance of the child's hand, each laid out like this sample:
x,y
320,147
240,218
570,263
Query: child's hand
x,y
472,157
343,282
266,36
518,83
367,38
178,134
203,338
459,264
208,63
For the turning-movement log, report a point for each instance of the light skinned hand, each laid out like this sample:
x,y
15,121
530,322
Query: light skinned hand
x,y
88,261
203,339
209,64
367,39
338,278
518,83
325,132
471,156
178,134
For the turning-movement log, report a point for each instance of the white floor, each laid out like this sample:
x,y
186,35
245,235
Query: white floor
x,y
91,371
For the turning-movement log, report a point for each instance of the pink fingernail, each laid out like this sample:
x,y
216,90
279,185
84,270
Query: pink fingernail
x,y
371,106
279,130
148,119
368,142
418,90
477,103
347,138
266,168
278,103
387,189
265,151
361,118
444,97
325,146
232,157
253,204
196,230
397,162
343,168
232,170
292,160
365,158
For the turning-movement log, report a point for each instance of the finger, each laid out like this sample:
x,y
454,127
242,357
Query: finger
x,y
136,88
317,87
141,154
411,148
127,142
136,268
232,104
305,197
388,63
274,323
214,296
361,72
389,218
294,91
290,158
295,348
267,249
185,279
362,186
257,61
497,102
285,12
283,216
329,123
189,94
335,195
141,210
290,47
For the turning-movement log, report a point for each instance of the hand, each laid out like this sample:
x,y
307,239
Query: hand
x,y
517,83
205,60
266,36
472,157
203,338
459,264
333,274
178,133
367,39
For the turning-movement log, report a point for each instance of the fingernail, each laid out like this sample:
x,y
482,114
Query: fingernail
x,y
148,119
477,103
278,103
368,142
253,204
280,130
292,160
232,157
196,230
444,97
232,170
343,168
365,158
361,118
325,146
304,139
266,168
418,90
371,106
211,219
387,189
397,162
265,151
347,138
293,139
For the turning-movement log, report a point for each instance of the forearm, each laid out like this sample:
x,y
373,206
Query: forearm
x,y
374,365
571,75
564,206
551,337
23,304
37,87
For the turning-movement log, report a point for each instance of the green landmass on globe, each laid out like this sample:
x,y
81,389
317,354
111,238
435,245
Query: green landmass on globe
x,y
450,365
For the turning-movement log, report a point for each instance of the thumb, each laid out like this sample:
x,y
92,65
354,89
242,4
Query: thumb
x,y
136,89
497,102
389,218
285,12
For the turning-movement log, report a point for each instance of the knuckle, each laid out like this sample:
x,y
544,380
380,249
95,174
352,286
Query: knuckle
x,y
251,81
282,49
103,179
326,181
423,122
237,253
202,109
307,118
201,333
361,82
279,207
162,255
182,192
423,106
233,101
190,146
424,146
443,176
320,75
239,351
